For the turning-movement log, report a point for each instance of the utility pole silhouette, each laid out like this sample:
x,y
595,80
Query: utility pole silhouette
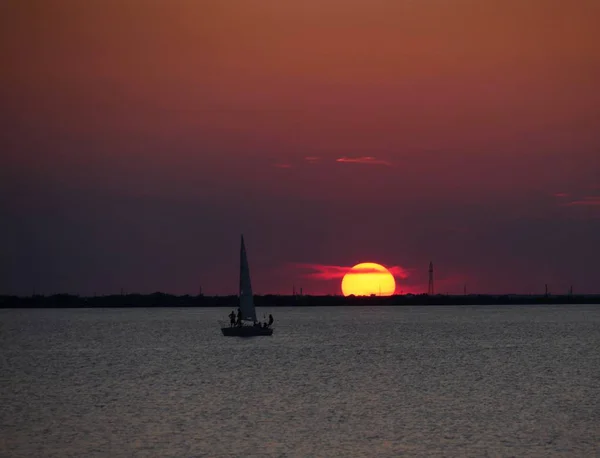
x,y
430,288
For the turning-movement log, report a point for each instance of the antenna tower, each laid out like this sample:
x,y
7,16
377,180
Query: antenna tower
x,y
430,289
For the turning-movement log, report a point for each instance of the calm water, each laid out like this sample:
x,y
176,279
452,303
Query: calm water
x,y
379,381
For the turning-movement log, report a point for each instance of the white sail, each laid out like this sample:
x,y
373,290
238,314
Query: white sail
x,y
246,296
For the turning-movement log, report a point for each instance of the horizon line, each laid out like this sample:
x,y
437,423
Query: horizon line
x,y
296,295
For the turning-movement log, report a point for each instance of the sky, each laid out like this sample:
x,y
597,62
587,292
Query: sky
x,y
141,137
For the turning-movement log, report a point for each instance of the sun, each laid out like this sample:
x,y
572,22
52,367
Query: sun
x,y
368,278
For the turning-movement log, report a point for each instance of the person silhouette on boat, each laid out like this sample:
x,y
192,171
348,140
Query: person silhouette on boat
x,y
239,317
270,320
232,319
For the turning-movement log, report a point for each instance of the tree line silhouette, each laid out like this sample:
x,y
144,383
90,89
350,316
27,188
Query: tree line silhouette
x,y
270,300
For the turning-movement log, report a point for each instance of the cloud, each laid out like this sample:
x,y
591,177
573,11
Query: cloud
x,y
283,166
561,194
363,160
329,272
589,201
452,284
312,159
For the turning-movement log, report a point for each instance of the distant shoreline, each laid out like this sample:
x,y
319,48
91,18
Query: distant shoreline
x,y
168,300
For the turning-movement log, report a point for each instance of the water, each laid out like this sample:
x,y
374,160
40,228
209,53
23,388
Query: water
x,y
340,381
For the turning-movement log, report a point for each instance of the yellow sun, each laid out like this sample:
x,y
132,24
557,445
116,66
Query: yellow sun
x,y
368,278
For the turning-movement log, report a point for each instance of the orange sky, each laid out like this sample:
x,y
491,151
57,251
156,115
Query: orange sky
x,y
475,114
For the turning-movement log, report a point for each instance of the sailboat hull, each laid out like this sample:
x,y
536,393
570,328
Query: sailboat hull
x,y
246,331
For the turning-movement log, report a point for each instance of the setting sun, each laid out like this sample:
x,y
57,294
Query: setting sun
x,y
368,278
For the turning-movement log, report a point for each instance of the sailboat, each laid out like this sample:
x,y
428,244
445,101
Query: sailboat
x,y
248,326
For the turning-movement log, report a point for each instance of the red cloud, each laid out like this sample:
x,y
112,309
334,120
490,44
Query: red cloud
x,y
363,160
312,159
561,194
586,201
283,166
327,272
453,284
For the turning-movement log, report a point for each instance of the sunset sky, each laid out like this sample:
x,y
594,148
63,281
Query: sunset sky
x,y
141,137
